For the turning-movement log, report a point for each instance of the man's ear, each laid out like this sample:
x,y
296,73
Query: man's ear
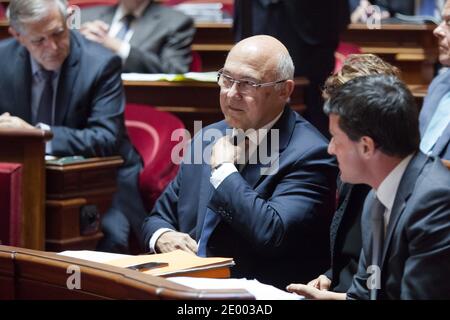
x,y
287,89
15,34
367,146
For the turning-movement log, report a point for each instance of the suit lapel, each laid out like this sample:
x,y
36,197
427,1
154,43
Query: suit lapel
x,y
145,25
405,189
22,107
69,73
206,190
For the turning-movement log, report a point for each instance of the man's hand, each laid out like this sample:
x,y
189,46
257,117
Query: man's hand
x,y
224,151
364,11
8,121
173,240
309,292
321,283
97,31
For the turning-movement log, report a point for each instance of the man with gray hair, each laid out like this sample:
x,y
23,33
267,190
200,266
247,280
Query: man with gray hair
x,y
55,79
274,224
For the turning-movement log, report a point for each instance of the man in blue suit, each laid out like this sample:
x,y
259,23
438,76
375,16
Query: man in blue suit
x,y
405,223
435,114
57,80
273,223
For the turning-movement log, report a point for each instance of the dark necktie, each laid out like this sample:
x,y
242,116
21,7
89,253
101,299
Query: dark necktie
x,y
377,220
45,109
127,20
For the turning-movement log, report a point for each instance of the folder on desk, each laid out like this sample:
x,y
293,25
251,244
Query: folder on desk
x,y
180,263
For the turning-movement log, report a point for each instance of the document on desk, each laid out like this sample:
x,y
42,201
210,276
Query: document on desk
x,y
259,290
178,262
190,76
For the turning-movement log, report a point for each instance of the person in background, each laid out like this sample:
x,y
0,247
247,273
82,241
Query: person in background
x,y
57,80
309,29
434,118
345,229
149,37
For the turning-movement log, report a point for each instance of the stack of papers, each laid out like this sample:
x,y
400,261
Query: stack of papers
x,y
204,12
259,290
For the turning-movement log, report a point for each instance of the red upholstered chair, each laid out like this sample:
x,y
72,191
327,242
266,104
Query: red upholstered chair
x,y
343,51
91,3
10,203
196,64
150,132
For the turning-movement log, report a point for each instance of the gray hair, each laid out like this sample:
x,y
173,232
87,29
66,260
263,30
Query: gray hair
x,y
285,68
21,12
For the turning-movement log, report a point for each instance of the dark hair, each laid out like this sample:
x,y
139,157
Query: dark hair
x,y
380,107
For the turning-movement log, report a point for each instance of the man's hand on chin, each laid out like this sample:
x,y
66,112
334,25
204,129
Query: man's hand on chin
x,y
8,121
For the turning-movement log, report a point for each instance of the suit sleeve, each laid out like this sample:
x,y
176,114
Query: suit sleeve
x,y
273,223
164,214
358,289
174,55
428,263
105,123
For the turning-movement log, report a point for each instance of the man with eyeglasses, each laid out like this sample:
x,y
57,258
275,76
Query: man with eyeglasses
x,y
273,223
54,78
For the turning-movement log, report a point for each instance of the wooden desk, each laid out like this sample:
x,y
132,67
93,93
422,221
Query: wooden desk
x,y
213,41
191,100
411,47
30,274
419,92
28,148
71,188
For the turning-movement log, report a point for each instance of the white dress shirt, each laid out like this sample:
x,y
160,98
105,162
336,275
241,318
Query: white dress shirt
x,y
117,24
387,191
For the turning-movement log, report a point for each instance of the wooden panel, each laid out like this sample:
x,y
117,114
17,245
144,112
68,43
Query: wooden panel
x,y
71,187
28,148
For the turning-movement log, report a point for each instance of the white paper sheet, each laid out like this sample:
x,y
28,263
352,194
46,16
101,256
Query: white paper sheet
x,y
259,290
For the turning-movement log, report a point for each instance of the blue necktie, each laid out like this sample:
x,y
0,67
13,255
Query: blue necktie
x,y
437,125
126,20
427,8
377,220
45,109
212,219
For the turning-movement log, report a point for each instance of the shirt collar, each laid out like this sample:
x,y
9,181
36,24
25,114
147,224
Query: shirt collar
x,y
259,135
388,188
137,13
36,68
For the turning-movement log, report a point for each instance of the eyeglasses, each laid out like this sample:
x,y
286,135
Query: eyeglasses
x,y
245,86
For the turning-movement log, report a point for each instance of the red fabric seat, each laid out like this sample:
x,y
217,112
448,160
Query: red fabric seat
x,y
150,132
91,3
343,51
10,203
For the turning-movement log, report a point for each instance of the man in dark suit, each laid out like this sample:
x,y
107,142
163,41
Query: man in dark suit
x,y
265,220
406,218
57,80
149,37
309,29
435,112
